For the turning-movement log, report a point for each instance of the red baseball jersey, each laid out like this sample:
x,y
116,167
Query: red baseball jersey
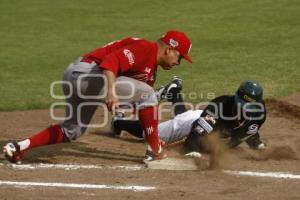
x,y
131,57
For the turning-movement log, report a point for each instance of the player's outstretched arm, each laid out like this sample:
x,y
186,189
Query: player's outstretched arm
x,y
254,142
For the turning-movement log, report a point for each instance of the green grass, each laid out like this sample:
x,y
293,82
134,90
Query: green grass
x,y
233,40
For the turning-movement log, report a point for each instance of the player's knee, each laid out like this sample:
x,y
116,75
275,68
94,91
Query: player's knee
x,y
149,97
72,132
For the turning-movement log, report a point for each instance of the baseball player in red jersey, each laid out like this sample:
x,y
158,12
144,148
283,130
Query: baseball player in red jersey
x,y
94,78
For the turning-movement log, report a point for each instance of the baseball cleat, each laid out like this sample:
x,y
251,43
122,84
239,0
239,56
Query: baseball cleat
x,y
12,152
114,131
194,154
151,156
163,91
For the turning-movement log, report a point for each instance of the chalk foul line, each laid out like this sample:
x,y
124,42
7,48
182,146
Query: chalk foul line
x,y
282,175
72,166
135,188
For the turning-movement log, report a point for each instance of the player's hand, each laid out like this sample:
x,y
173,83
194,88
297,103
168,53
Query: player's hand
x,y
162,143
111,102
161,155
261,146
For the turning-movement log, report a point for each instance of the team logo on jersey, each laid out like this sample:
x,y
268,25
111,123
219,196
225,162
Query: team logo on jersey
x,y
210,118
252,129
147,70
173,43
129,56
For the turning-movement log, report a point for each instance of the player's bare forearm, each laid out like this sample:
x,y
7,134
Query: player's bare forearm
x,y
111,99
111,78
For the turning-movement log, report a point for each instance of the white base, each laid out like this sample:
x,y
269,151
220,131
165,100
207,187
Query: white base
x,y
173,164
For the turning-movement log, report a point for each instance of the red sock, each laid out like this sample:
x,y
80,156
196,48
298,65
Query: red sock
x,y
51,135
148,117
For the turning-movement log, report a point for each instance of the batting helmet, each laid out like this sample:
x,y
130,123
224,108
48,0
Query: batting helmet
x,y
249,92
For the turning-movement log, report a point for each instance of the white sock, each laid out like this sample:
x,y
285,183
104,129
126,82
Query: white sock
x,y
24,144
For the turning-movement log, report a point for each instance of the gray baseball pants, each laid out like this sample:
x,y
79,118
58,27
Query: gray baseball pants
x,y
86,90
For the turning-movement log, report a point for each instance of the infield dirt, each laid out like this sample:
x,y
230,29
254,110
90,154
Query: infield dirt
x,y
280,132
